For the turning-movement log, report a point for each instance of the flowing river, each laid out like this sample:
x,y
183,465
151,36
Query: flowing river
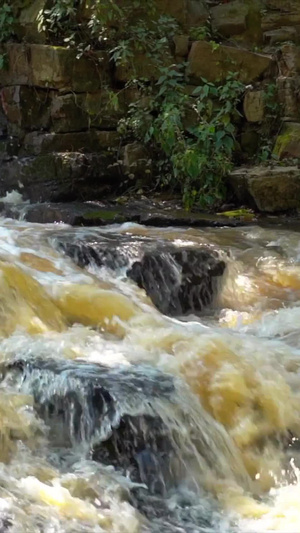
x,y
123,416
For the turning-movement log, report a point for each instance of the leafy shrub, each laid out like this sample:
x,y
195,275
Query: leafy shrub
x,y
271,124
195,155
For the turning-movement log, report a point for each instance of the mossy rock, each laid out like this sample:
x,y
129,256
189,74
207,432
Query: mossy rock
x,y
78,112
270,189
215,63
288,141
102,217
105,108
27,107
84,142
27,24
68,113
60,177
237,18
55,67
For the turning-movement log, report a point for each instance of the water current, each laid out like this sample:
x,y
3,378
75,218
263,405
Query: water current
x,y
118,418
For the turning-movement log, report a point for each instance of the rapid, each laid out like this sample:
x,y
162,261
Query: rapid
x,y
116,416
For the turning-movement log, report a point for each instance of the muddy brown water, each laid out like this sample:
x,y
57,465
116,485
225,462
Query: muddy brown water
x,y
214,397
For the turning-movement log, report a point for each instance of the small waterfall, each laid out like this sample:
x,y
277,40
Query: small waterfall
x,y
180,280
116,417
139,419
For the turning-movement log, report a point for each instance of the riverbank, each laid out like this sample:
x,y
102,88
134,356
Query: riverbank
x,y
160,210
221,88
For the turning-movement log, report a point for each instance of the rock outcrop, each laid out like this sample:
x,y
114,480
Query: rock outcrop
x,y
59,177
268,189
216,62
60,113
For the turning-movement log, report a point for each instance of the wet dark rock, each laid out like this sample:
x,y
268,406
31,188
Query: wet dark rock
x,y
187,516
140,444
179,281
5,523
59,177
96,213
73,213
109,255
110,409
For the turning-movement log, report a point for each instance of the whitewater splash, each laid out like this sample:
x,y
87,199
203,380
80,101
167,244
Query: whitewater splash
x,y
117,417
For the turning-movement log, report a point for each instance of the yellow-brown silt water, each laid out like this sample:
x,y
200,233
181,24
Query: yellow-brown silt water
x,y
116,417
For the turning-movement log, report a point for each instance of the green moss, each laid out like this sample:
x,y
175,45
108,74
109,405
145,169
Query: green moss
x,y
109,216
282,142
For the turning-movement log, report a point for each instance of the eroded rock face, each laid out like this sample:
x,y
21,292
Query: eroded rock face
x,y
289,60
215,63
135,160
59,176
54,67
268,189
281,35
27,107
197,13
279,14
288,90
86,142
142,66
79,112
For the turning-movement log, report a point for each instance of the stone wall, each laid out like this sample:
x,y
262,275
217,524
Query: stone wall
x,y
58,127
